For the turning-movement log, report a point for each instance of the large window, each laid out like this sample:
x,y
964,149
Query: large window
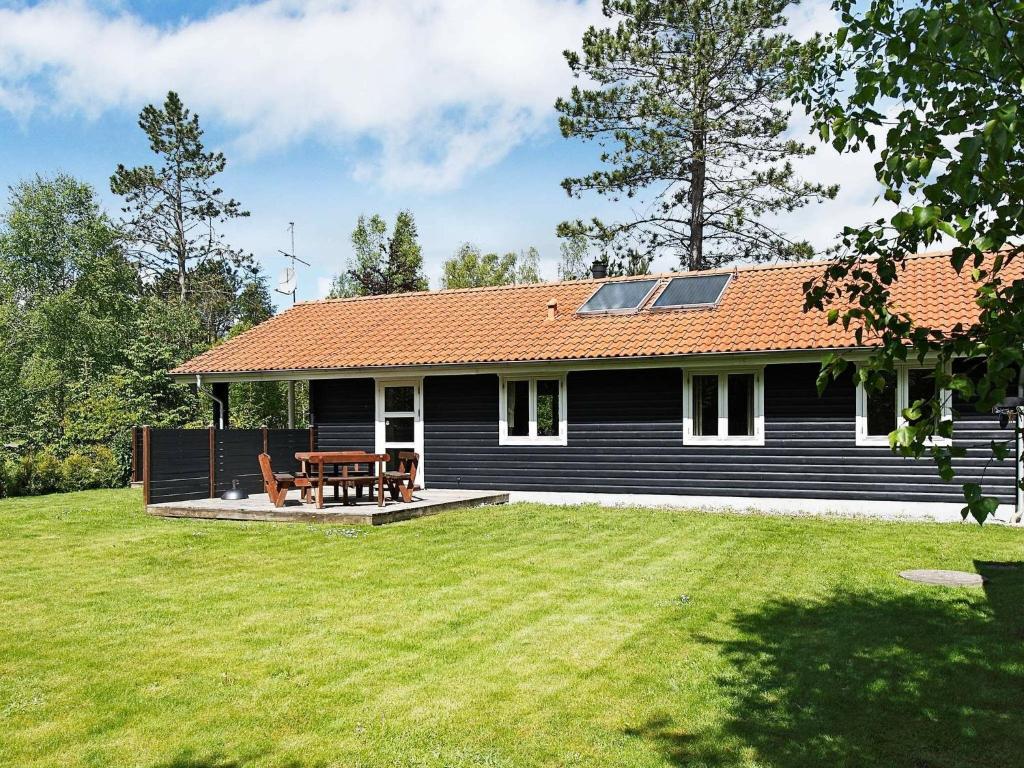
x,y
724,407
880,412
532,410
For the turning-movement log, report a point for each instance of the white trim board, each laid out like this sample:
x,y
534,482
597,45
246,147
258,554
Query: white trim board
x,y
915,511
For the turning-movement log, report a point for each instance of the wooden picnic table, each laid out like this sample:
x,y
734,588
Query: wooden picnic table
x,y
314,462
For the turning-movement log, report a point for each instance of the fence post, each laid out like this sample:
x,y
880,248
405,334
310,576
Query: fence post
x,y
213,462
146,468
312,438
266,438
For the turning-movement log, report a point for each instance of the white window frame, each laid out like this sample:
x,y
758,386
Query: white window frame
x,y
533,438
723,437
902,402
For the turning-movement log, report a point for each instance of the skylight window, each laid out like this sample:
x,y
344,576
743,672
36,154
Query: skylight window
x,y
625,296
695,291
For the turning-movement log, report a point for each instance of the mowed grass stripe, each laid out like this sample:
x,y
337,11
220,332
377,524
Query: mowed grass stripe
x,y
507,636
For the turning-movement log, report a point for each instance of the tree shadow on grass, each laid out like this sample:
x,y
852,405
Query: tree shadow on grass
x,y
189,759
924,679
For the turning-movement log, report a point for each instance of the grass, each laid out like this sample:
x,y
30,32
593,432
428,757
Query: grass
x,y
513,636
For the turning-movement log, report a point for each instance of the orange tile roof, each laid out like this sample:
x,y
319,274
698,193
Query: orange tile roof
x,y
761,310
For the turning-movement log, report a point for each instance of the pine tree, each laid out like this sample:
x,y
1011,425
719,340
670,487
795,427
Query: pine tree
x,y
686,107
171,212
404,271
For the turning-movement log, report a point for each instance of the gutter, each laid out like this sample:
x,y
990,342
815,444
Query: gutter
x,y
568,364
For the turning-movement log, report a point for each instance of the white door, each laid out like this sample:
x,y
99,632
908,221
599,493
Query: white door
x,y
399,423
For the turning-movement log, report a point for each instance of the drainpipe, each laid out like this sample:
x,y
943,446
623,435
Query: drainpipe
x,y
1019,507
221,410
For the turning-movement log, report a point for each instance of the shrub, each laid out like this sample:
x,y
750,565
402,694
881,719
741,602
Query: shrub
x,y
77,473
11,478
42,472
121,446
108,468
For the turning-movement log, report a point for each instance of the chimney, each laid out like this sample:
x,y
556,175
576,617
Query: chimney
x,y
552,309
599,269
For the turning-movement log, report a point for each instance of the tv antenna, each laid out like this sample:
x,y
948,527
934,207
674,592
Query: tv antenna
x,y
286,283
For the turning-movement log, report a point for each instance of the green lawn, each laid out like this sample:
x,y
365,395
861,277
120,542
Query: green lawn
x,y
505,636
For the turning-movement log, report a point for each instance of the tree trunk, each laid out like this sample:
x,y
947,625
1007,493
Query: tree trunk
x,y
179,226
698,168
182,275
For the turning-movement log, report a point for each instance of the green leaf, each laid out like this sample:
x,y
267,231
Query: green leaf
x,y
925,215
903,221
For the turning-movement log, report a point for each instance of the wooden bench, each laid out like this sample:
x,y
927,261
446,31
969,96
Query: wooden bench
x,y
350,476
403,480
277,484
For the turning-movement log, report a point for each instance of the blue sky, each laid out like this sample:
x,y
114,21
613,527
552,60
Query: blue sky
x,y
328,109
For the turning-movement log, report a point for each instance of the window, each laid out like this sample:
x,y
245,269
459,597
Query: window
x,y
618,297
518,408
881,412
399,420
532,410
881,408
692,291
724,407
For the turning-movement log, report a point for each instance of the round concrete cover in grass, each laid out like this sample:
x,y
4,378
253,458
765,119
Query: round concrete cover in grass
x,y
944,578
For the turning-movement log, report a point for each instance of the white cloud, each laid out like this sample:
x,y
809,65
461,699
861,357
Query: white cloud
x,y
323,287
807,18
436,88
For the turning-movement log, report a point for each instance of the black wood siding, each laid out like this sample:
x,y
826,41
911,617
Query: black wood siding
x,y
343,412
625,436
179,464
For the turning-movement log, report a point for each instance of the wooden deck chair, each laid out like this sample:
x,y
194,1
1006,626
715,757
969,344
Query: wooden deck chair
x,y
277,484
403,480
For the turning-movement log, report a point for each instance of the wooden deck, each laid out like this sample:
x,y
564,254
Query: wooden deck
x,y
258,507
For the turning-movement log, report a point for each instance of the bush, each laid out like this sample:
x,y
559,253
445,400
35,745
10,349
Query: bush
x,y
77,473
108,468
41,472
121,447
12,480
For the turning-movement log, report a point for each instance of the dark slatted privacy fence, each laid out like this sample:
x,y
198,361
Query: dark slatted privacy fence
x,y
186,464
178,464
237,452
283,444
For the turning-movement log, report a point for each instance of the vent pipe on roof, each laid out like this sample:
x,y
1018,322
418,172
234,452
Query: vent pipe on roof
x,y
599,269
552,309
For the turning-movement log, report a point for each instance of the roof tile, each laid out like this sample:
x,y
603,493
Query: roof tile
x,y
761,310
